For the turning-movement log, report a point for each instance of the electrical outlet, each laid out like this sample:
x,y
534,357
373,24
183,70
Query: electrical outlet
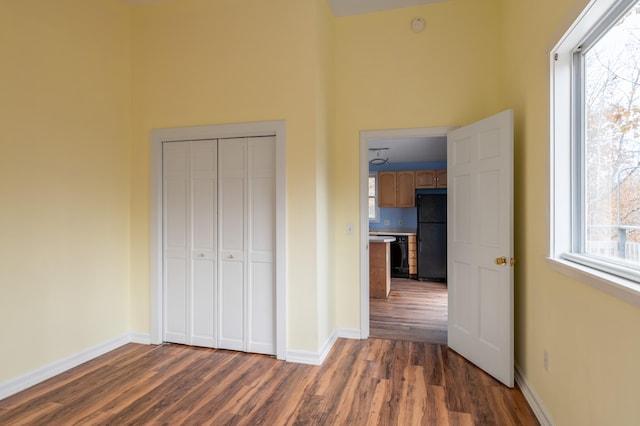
x,y
400,222
545,360
386,222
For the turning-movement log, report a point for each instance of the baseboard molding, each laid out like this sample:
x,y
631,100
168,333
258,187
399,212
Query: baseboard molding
x,y
533,399
32,378
317,358
142,338
349,333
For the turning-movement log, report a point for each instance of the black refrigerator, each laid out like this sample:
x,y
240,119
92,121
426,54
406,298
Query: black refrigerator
x,y
432,237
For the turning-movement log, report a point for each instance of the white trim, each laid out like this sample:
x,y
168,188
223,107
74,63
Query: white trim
x,y
141,338
348,333
533,399
41,374
317,358
365,136
264,128
562,213
304,357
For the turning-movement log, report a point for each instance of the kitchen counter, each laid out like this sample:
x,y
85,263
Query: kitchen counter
x,y
391,232
381,239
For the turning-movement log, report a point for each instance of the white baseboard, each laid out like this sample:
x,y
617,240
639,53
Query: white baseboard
x,y
32,378
349,333
142,338
317,358
533,399
25,381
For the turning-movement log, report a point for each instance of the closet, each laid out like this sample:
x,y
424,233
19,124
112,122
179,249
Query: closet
x,y
219,243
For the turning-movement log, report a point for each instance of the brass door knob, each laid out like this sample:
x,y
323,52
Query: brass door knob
x,y
502,261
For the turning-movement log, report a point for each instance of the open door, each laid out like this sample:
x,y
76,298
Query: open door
x,y
480,244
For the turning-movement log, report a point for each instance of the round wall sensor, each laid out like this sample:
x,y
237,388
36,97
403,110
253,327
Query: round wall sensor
x,y
417,25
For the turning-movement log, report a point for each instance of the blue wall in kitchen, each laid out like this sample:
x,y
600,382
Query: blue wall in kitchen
x,y
405,218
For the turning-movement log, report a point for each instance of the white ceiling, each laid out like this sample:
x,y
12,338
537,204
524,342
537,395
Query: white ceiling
x,y
357,7
410,149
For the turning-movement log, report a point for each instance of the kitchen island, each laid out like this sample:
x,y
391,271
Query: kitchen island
x,y
379,266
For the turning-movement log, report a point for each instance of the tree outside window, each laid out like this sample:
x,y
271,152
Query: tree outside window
x,y
611,216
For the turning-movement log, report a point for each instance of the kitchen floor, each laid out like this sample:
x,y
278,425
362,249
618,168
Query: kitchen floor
x,y
414,311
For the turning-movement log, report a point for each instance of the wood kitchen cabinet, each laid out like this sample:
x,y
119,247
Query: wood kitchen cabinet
x,y
431,179
396,189
379,270
413,257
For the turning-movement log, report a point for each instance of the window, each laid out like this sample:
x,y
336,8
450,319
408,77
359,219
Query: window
x,y
595,137
374,211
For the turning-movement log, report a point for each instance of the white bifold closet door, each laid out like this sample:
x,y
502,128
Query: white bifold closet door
x,y
246,227
189,222
219,242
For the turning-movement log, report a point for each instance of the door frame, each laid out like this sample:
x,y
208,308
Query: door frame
x,y
365,137
241,130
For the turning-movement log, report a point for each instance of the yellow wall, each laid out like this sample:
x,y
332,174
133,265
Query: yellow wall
x,y
65,95
592,339
202,62
83,83
325,108
388,78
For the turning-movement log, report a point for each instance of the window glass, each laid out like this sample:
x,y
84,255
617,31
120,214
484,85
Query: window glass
x,y
373,202
610,215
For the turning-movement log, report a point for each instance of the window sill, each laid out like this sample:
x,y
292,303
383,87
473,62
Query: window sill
x,y
620,288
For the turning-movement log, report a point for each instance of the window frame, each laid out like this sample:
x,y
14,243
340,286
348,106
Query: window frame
x,y
565,218
375,219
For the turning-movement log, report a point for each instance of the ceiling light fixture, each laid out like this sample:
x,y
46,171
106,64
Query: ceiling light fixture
x,y
378,161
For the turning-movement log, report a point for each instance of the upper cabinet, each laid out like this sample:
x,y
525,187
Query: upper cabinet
x,y
396,189
431,179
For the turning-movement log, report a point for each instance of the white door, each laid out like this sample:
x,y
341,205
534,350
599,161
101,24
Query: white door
x,y
261,194
247,243
219,243
189,262
480,244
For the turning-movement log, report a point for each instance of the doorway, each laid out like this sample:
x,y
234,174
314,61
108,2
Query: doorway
x,y
408,301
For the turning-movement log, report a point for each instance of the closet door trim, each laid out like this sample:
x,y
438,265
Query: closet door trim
x,y
158,137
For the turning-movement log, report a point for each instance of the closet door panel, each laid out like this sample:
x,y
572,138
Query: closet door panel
x,y
231,196
232,212
175,241
231,306
203,155
261,309
261,242
262,219
176,302
232,243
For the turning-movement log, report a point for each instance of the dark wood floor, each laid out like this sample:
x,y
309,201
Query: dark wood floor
x,y
415,311
362,382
